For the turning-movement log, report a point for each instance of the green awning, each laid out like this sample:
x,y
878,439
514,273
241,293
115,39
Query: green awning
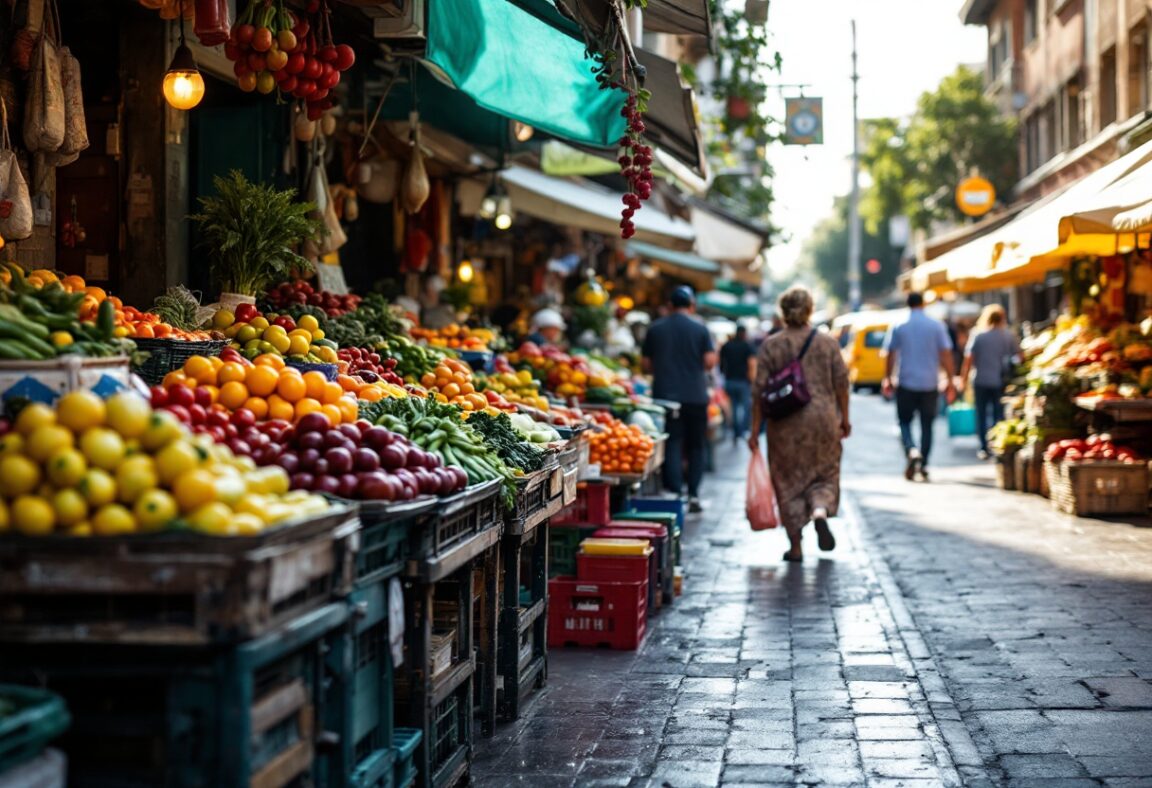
x,y
448,110
524,65
722,303
683,259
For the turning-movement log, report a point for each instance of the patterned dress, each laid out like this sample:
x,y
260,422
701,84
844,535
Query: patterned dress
x,y
804,448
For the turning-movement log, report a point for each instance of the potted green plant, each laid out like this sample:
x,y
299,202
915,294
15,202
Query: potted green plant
x,y
252,231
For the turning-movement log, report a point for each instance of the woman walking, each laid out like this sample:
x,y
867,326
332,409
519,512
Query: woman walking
x,y
804,448
991,353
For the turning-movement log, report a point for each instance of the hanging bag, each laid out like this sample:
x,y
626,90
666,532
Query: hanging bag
x,y
24,42
760,503
15,202
75,124
787,391
45,120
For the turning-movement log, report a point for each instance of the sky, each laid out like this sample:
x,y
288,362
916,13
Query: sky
x,y
905,47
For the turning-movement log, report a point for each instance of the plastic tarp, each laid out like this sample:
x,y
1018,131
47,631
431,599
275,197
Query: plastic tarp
x,y
589,206
525,65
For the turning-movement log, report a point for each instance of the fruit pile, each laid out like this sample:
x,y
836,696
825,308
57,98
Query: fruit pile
x,y
39,322
93,468
618,447
368,365
451,382
267,387
359,461
254,334
300,293
273,48
375,391
565,375
1092,449
456,337
516,387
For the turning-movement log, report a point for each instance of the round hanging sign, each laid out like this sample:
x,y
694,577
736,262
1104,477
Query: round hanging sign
x,y
975,196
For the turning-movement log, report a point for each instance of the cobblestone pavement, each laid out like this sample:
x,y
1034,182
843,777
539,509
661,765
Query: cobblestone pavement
x,y
957,636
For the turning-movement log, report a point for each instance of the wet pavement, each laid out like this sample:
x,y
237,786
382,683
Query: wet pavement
x,y
958,635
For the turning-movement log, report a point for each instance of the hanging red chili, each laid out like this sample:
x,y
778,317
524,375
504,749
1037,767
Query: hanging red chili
x,y
212,22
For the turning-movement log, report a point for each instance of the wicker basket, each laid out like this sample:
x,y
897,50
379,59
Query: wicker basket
x,y
166,355
1083,488
1006,470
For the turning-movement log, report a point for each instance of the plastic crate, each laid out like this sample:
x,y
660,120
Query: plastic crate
x,y
370,689
613,568
660,589
405,741
166,355
611,615
592,506
29,719
563,544
669,520
448,728
641,505
384,532
457,519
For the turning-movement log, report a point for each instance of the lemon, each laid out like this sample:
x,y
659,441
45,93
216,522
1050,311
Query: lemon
x,y
70,506
246,334
299,346
60,339
97,486
174,459
317,335
12,443
308,323
136,476
155,509
18,475
128,414
103,447
223,319
113,520
66,467
279,341
79,410
81,529
193,489
213,518
32,516
46,440
230,488
163,428
259,323
247,524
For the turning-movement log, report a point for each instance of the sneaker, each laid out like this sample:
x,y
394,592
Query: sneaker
x,y
915,461
922,472
694,506
982,455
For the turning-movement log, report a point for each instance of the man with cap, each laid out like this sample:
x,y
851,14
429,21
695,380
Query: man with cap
x,y
548,327
678,351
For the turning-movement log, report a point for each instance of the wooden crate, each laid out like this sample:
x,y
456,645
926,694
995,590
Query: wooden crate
x,y
1006,471
176,588
1084,488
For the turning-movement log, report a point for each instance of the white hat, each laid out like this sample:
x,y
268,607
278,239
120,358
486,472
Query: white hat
x,y
548,318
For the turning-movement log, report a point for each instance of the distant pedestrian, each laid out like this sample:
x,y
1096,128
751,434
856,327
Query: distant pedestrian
x,y
991,353
548,328
804,448
738,365
916,351
678,351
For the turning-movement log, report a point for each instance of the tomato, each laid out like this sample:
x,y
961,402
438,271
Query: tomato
x,y
262,39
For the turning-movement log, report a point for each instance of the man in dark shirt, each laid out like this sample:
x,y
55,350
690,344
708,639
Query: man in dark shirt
x,y
737,364
678,352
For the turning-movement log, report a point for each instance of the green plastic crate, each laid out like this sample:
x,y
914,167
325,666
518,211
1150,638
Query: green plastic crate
x,y
29,719
563,544
669,520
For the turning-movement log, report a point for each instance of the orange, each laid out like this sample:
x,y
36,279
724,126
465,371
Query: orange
x,y
331,393
347,382
232,395
258,407
229,371
144,331
261,380
316,382
213,393
174,378
293,388
216,362
333,413
428,380
450,390
280,408
371,394
306,406
349,410
274,360
162,330
200,368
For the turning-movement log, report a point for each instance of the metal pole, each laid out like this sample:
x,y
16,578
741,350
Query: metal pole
x,y
854,295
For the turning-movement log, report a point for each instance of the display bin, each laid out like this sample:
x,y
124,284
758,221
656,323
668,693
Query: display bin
x,y
385,528
30,719
593,506
644,505
539,496
522,655
175,588
458,529
563,544
232,716
47,381
1098,488
168,355
669,520
610,615
660,571
366,678
614,568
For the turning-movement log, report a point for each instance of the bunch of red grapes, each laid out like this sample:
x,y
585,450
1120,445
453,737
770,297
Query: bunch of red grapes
x,y
369,366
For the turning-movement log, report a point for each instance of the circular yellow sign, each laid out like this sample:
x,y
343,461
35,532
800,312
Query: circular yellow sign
x,y
975,196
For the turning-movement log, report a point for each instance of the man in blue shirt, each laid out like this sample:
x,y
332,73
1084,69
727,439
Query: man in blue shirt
x,y
920,347
678,352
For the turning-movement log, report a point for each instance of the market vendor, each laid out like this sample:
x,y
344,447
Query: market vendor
x,y
548,327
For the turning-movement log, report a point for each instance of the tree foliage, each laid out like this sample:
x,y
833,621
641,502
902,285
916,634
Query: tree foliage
x,y
915,165
825,254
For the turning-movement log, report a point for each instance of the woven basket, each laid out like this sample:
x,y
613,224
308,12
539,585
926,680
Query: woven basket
x,y
1083,488
166,355
1006,470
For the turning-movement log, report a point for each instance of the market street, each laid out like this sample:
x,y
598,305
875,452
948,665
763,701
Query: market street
x,y
958,635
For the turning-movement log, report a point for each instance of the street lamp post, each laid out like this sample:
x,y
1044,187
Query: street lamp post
x,y
854,295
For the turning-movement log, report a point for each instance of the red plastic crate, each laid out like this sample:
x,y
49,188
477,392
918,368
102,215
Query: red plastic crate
x,y
613,615
613,568
593,506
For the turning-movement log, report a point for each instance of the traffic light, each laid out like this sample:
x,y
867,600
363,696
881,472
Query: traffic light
x,y
872,266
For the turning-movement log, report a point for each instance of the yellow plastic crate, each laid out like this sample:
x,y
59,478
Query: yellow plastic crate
x,y
616,547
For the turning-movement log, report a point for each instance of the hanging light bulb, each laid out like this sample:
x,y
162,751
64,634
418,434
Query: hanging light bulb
x,y
503,212
489,204
183,84
522,131
466,272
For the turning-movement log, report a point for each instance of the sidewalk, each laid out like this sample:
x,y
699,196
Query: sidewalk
x,y
763,673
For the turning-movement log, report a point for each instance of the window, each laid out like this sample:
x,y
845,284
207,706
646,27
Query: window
x,y
999,40
1108,87
1071,120
1031,20
1137,70
875,338
1033,154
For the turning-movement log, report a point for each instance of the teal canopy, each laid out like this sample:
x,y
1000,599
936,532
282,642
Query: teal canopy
x,y
722,303
692,262
446,109
525,65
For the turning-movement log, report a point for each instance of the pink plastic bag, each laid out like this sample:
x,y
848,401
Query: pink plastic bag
x,y
760,504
